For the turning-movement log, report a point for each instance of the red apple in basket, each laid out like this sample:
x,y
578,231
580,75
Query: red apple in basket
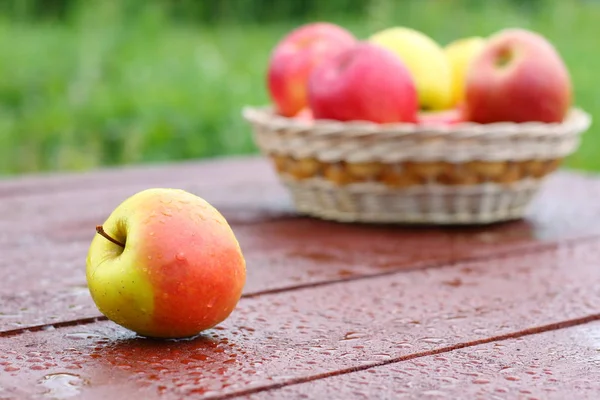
x,y
444,117
518,77
366,83
305,114
294,58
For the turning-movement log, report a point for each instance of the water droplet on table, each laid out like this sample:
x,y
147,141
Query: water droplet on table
x,y
435,394
83,336
62,385
353,336
433,340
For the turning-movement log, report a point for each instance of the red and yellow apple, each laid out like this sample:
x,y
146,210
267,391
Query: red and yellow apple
x,y
165,264
518,76
295,56
365,83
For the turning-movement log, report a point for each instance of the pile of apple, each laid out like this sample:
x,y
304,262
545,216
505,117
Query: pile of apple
x,y
322,71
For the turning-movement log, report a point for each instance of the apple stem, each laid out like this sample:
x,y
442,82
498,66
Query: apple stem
x,y
101,232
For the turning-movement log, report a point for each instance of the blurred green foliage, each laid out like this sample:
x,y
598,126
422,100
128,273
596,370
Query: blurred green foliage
x,y
88,83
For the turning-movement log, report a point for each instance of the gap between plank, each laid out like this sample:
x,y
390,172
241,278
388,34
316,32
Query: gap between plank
x,y
514,335
431,265
500,255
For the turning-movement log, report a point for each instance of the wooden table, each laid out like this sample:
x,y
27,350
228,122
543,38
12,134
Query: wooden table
x,y
330,311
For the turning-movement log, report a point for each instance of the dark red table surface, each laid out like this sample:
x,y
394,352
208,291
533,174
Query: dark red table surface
x,y
332,311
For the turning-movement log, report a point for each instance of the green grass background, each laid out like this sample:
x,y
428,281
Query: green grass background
x,y
93,83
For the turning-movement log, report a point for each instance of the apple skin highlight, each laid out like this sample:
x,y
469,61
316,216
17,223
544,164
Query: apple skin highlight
x,y
181,270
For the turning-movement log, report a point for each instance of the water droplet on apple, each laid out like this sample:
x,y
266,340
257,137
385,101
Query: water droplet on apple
x,y
149,257
151,233
180,256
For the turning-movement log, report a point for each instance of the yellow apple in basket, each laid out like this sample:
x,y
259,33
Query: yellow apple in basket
x,y
426,61
460,53
165,264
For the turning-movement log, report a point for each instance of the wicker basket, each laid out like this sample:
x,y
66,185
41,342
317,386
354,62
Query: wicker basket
x,y
406,173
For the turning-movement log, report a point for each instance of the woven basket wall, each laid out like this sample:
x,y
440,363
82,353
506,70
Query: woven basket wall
x,y
406,173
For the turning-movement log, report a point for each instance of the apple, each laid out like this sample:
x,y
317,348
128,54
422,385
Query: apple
x,y
426,61
165,264
295,56
444,117
365,83
460,53
517,77
305,114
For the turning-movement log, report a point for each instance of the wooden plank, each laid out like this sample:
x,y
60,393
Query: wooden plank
x,y
246,194
9,392
281,255
217,170
560,364
286,337
242,196
239,187
282,251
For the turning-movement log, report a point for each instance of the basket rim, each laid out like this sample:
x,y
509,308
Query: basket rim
x,y
576,122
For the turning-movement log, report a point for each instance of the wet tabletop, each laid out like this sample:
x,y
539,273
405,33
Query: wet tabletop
x,y
329,310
